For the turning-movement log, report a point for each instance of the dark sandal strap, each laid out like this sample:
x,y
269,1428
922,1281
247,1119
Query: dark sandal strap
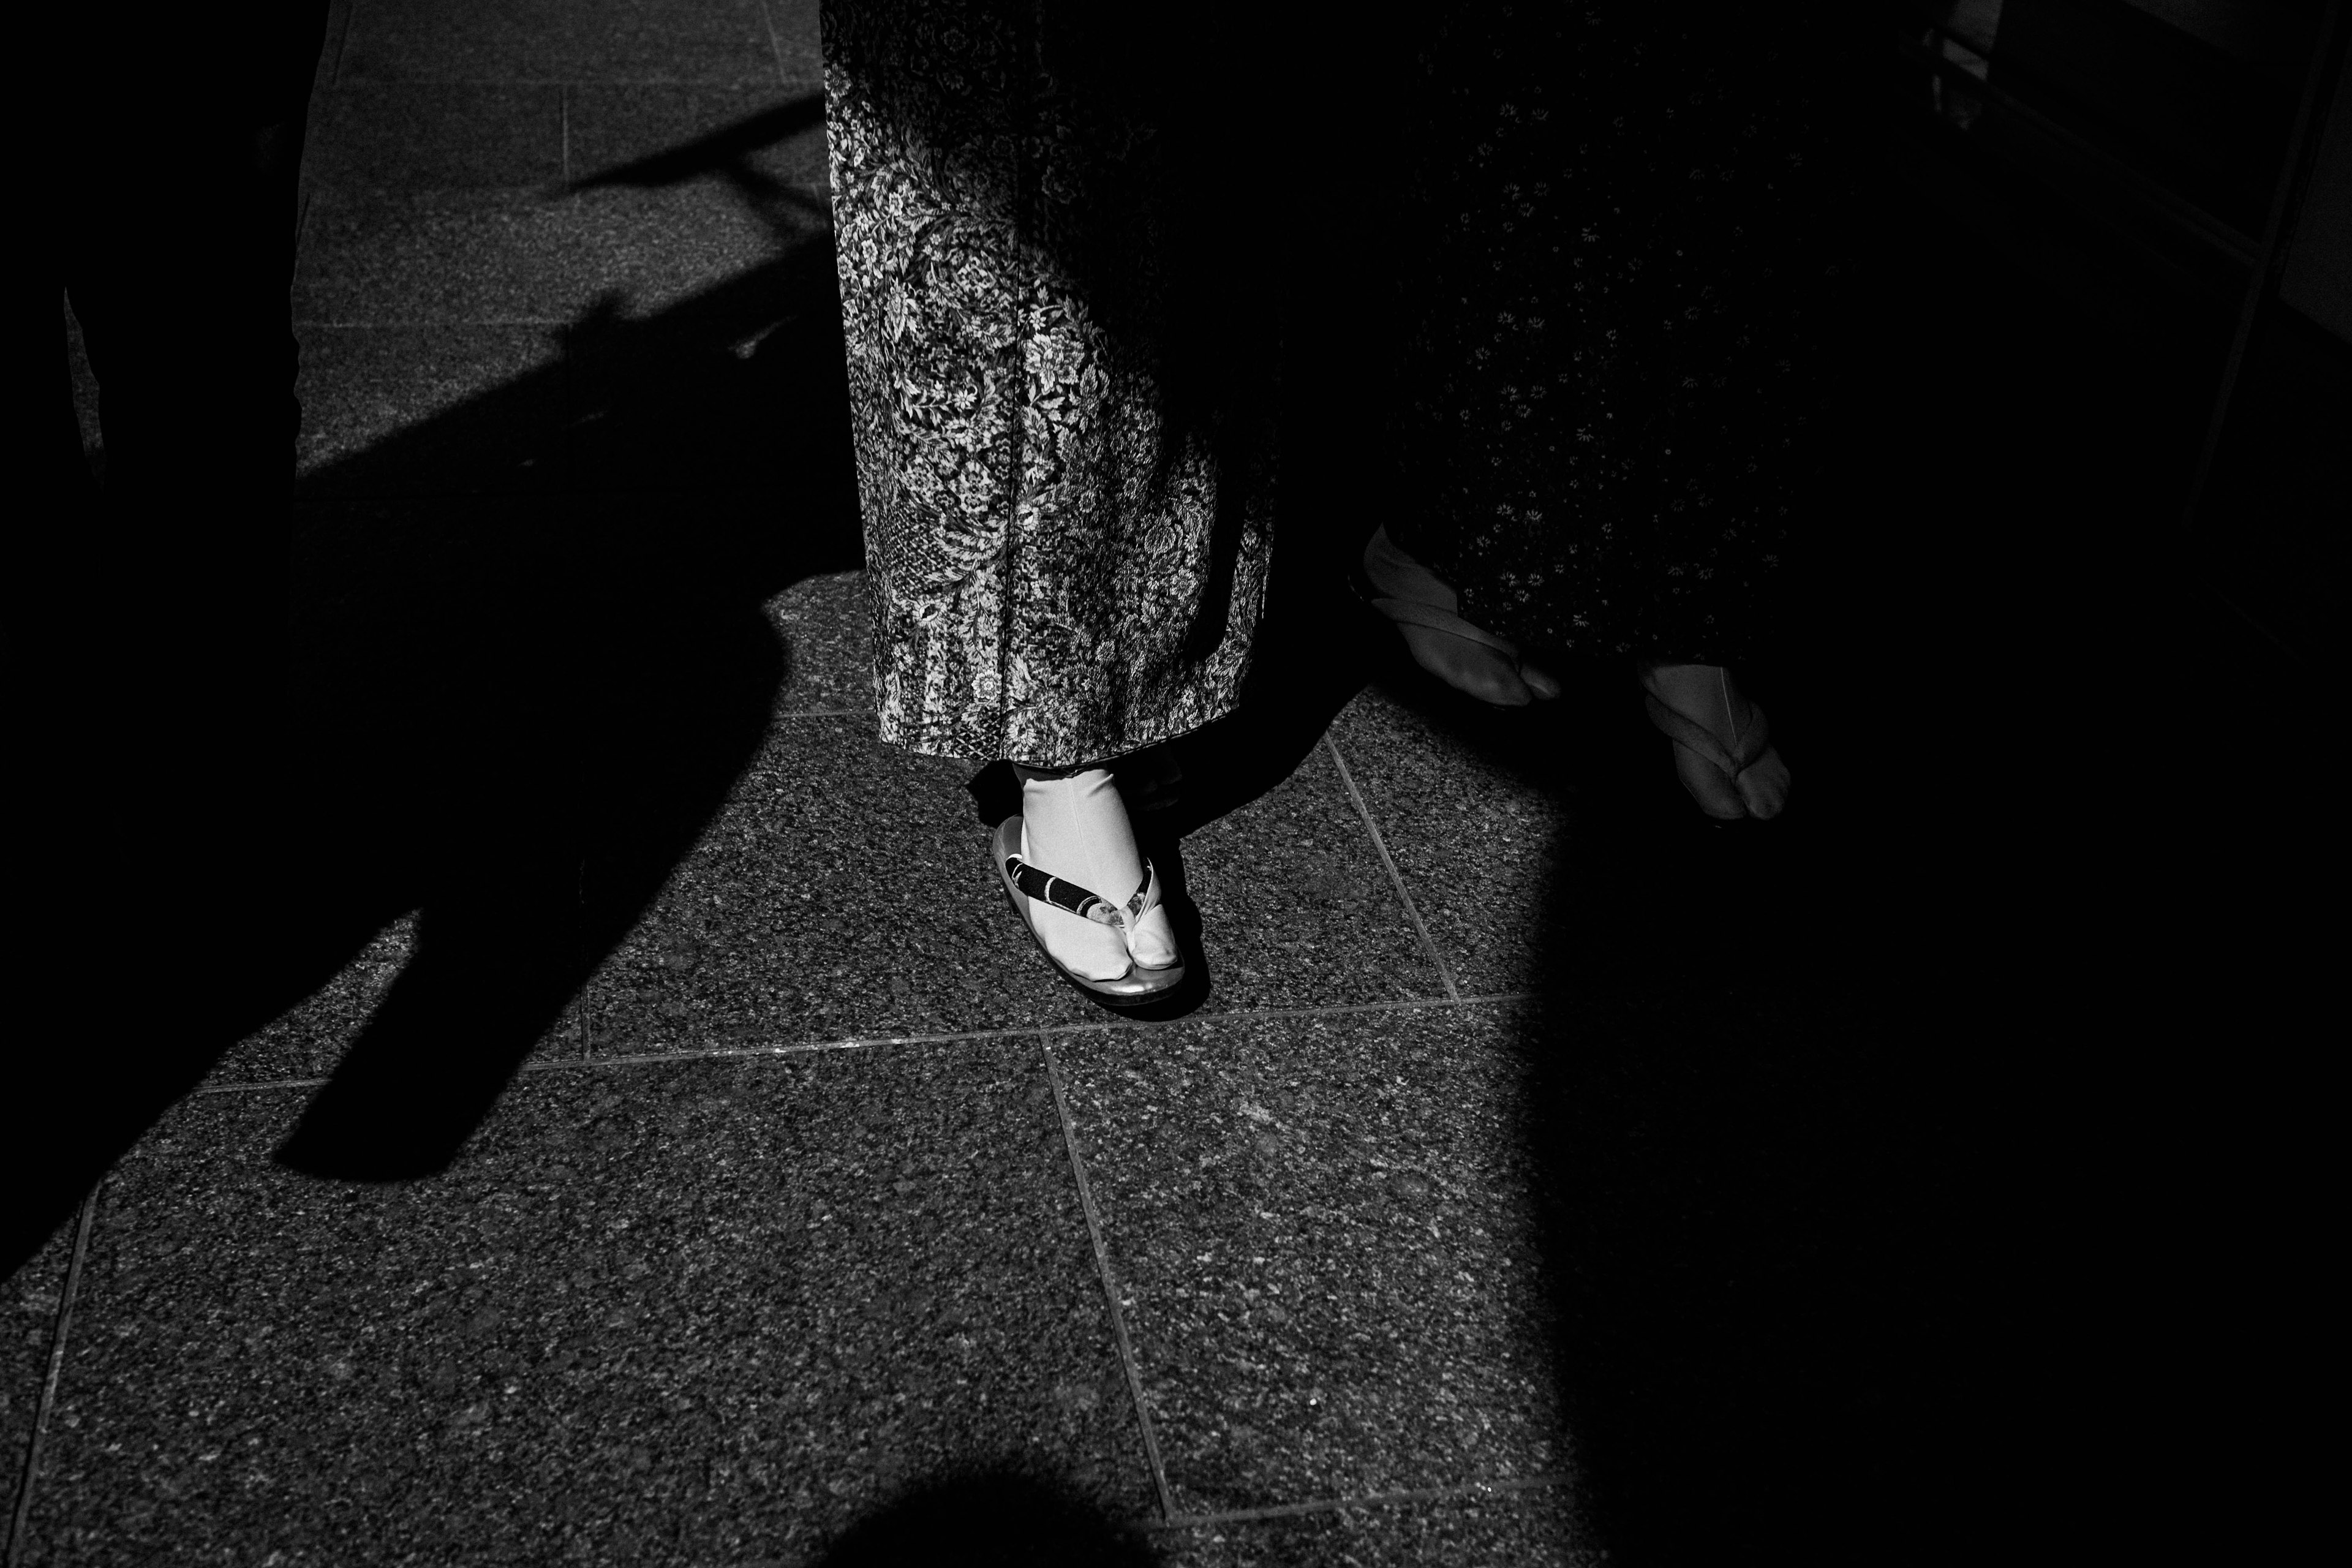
x,y
1686,734
1084,902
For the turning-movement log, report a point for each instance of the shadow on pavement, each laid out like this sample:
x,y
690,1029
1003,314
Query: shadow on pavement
x,y
985,1521
521,645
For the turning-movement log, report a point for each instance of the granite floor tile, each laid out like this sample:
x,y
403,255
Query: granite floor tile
x,y
559,40
1323,1230
793,25
29,1299
1530,1529
435,135
1296,908
843,891
317,1031
1477,848
85,390
697,1313
331,49
780,130
826,623
308,1039
475,409
520,255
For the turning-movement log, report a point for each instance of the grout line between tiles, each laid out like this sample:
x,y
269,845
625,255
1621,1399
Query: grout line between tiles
x,y
1110,1284
775,44
1378,1499
814,1048
580,903
343,46
83,1223
724,83
1412,909
421,325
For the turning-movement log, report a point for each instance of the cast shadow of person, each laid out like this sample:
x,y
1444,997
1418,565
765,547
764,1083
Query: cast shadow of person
x,y
609,672
987,1518
529,660
1725,1152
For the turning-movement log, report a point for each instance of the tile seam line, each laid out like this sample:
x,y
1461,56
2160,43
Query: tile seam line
x,y
342,47
1396,877
572,81
1109,1279
84,1222
859,1043
1505,1488
432,323
775,44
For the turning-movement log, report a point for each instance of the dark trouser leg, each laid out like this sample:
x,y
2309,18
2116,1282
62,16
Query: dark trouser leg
x,y
152,615
179,641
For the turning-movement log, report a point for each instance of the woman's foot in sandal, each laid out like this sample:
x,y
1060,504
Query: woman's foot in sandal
x,y
1076,829
1722,744
1428,613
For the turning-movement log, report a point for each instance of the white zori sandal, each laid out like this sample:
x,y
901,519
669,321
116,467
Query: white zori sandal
x,y
1072,838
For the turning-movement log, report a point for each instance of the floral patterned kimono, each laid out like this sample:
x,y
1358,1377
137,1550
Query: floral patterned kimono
x,y
1063,419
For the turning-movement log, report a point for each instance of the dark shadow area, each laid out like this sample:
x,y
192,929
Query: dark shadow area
x,y
1872,1186
987,1520
528,661
703,465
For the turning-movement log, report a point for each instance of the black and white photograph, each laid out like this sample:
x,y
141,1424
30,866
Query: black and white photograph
x,y
1096,784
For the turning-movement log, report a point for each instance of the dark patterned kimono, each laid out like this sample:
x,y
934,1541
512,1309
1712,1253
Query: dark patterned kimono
x,y
1063,426
1629,263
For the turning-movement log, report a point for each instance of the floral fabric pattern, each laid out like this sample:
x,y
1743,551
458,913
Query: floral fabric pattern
x,y
1067,513
1615,381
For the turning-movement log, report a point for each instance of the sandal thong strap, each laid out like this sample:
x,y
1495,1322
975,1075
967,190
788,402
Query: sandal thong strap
x,y
1412,613
1084,902
1682,732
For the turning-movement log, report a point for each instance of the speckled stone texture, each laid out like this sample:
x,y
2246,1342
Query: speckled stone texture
x,y
1529,1529
435,135
310,1038
479,410
454,255
1476,846
561,41
1323,1233
1296,908
752,942
826,623
680,1314
611,129
28,1322
842,891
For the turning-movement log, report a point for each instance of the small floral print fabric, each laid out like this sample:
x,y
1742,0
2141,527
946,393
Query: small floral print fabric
x,y
1066,478
1614,377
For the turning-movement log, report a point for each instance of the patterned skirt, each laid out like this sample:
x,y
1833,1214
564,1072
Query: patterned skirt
x,y
1062,407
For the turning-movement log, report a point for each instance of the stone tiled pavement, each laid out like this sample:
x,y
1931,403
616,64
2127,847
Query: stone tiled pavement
x,y
820,1188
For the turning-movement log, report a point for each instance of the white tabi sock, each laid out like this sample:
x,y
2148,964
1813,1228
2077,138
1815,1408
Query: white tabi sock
x,y
1076,828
